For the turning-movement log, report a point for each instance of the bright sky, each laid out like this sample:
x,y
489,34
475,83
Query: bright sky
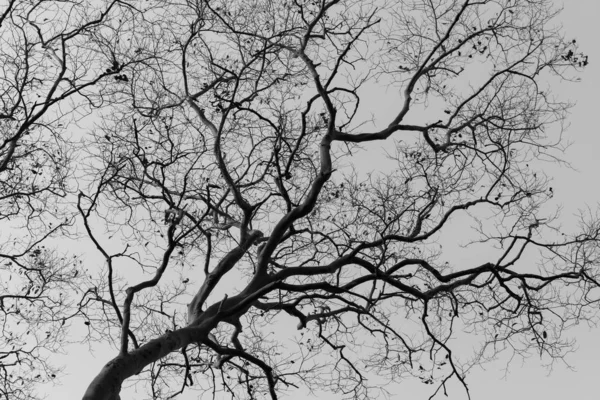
x,y
574,190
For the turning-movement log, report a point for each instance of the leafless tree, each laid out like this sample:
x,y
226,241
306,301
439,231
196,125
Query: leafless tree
x,y
226,189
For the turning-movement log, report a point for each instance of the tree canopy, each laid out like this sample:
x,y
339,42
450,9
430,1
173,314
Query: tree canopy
x,y
261,218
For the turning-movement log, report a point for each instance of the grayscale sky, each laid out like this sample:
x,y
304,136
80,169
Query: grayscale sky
x,y
575,189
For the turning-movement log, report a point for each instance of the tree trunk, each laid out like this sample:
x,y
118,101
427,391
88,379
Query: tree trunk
x,y
107,384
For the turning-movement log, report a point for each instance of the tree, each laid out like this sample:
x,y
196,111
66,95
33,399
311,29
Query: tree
x,y
224,191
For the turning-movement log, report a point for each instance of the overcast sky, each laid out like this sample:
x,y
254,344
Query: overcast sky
x,y
574,190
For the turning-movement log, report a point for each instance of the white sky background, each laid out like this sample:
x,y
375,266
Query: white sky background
x,y
574,190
